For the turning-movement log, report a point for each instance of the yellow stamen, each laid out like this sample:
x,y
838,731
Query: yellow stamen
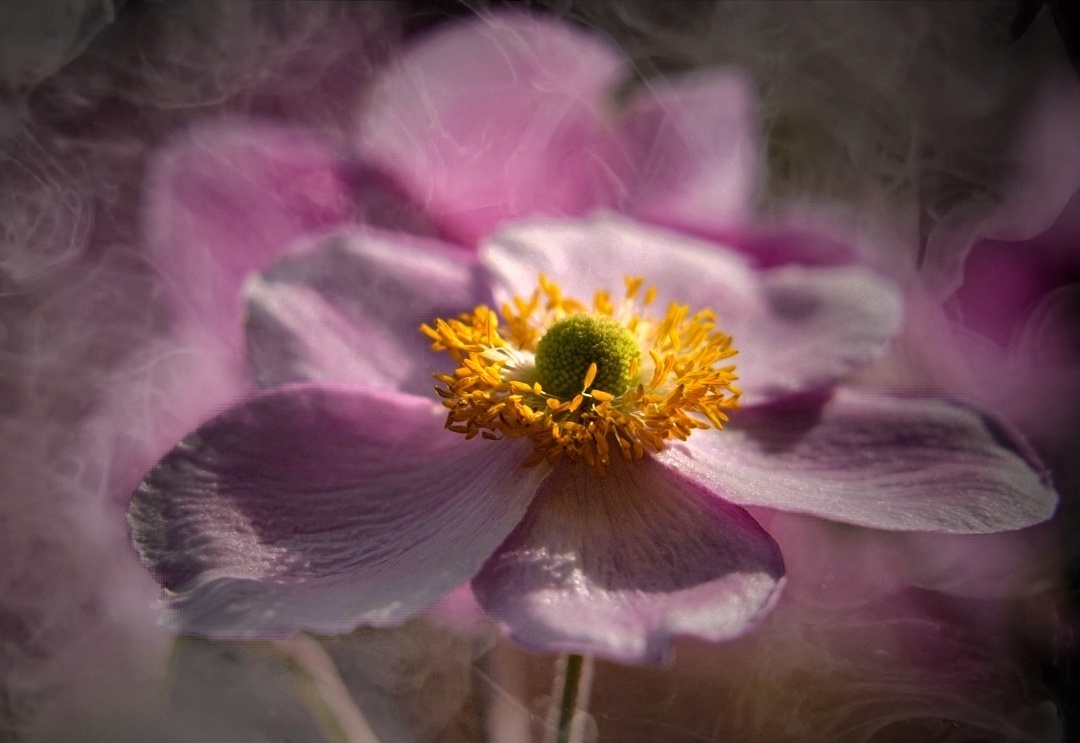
x,y
590,376
678,386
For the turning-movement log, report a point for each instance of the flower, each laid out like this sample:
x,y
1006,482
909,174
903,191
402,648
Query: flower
x,y
483,122
576,382
1008,335
336,496
998,317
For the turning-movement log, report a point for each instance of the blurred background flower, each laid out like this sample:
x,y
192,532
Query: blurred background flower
x,y
903,122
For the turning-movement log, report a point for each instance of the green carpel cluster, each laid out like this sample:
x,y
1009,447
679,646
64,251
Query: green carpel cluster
x,y
569,346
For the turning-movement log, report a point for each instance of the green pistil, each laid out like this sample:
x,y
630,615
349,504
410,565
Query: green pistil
x,y
565,352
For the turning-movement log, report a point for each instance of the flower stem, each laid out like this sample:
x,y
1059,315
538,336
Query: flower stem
x,y
323,690
576,680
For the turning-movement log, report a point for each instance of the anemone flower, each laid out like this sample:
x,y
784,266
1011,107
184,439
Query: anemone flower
x,y
993,319
998,327
1016,314
572,411
481,123
589,473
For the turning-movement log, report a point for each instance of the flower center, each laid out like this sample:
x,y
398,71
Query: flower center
x,y
570,346
575,380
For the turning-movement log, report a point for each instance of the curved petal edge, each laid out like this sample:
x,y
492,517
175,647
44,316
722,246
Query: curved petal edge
x,y
319,507
902,463
621,565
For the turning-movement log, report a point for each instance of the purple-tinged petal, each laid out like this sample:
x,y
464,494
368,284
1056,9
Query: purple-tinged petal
x,y
796,328
350,310
1033,381
460,611
815,327
897,463
803,239
695,147
382,202
1003,281
226,199
495,118
583,255
1008,337
830,563
318,507
618,566
1045,174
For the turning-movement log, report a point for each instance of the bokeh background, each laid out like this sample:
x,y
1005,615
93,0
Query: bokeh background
x,y
902,122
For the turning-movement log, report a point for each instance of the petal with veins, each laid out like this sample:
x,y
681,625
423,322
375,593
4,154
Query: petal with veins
x,y
350,310
899,463
318,507
618,566
796,328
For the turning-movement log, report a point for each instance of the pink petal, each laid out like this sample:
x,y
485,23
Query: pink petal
x,y
495,118
317,507
618,566
796,328
459,611
349,309
802,238
1008,337
899,463
223,200
1044,175
813,329
583,255
1034,380
833,564
695,147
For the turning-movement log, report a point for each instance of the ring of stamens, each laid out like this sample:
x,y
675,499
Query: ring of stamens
x,y
683,381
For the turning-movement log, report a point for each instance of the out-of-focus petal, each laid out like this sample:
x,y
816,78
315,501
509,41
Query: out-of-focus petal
x,y
583,255
225,199
318,507
498,117
1004,281
460,611
1045,175
799,238
815,328
618,566
350,310
695,151
1050,336
796,328
898,463
1008,337
833,564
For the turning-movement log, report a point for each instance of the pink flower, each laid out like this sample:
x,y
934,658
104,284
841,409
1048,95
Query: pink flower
x,y
997,324
337,496
486,121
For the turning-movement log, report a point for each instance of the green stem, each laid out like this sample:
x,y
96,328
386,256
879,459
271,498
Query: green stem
x,y
577,666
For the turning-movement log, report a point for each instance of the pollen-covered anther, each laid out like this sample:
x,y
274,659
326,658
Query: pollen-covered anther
x,y
585,383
